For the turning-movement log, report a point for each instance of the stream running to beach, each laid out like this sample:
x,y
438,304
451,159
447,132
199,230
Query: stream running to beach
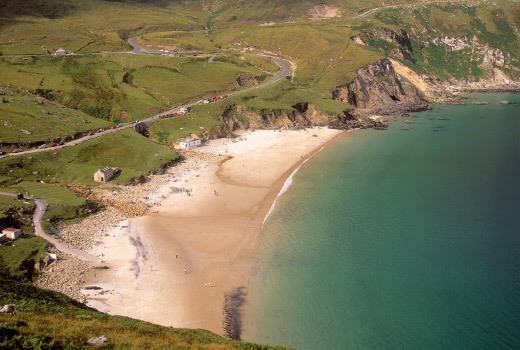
x,y
398,239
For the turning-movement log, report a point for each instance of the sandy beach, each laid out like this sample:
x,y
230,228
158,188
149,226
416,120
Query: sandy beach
x,y
176,266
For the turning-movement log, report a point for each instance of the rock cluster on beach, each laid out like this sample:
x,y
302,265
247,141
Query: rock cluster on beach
x,y
66,275
84,234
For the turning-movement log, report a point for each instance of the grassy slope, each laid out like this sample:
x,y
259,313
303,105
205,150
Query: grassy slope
x,y
495,24
121,86
131,152
323,54
24,121
95,24
17,258
51,320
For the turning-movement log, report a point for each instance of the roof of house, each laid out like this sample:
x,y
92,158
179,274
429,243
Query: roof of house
x,y
10,229
106,169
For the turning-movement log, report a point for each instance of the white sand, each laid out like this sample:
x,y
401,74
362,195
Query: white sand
x,y
212,236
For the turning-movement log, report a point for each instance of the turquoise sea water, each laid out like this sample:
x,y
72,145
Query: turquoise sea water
x,y
399,239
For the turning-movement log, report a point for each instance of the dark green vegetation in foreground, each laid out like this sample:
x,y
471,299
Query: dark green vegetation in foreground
x,y
41,325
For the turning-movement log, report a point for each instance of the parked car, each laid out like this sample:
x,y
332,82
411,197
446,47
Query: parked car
x,y
194,54
200,101
17,151
99,130
1,153
42,146
206,101
90,133
119,125
113,127
61,143
53,144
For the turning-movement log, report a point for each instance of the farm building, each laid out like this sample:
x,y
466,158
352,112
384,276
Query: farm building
x,y
104,174
12,233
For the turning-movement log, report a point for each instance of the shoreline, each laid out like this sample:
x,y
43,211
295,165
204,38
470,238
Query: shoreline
x,y
211,233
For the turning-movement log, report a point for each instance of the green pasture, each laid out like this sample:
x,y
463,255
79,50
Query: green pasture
x,y
127,150
17,258
178,40
25,120
88,26
120,87
200,121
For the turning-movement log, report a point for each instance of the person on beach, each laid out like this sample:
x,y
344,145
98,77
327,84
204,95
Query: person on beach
x,y
185,271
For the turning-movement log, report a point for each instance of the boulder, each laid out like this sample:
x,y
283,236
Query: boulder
x,y
97,341
9,309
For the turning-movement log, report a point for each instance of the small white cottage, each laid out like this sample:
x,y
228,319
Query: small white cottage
x,y
190,143
12,233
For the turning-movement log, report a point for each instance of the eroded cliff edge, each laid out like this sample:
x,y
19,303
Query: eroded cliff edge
x,y
420,69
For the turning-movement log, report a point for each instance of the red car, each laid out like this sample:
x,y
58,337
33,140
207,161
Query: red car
x,y
53,145
113,127
194,54
90,133
99,130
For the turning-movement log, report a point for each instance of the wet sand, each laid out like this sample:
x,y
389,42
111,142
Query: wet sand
x,y
175,266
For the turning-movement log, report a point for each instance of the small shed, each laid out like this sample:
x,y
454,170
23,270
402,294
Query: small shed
x,y
190,143
104,174
60,52
12,233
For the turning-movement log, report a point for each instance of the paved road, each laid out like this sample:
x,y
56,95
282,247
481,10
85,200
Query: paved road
x,y
41,206
286,68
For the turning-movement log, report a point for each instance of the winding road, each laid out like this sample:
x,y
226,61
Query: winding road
x,y
285,65
41,206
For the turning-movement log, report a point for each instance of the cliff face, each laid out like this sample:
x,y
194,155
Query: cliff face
x,y
421,68
303,115
377,88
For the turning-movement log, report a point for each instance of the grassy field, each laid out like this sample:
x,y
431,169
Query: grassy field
x,y
88,26
121,87
178,40
17,258
63,204
29,119
7,202
134,156
323,54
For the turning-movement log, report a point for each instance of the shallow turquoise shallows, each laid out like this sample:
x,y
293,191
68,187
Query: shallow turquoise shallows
x,y
399,239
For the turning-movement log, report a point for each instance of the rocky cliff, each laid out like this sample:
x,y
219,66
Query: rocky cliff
x,y
302,115
377,88
422,68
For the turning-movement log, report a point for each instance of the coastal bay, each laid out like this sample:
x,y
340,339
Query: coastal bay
x,y
175,266
407,240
